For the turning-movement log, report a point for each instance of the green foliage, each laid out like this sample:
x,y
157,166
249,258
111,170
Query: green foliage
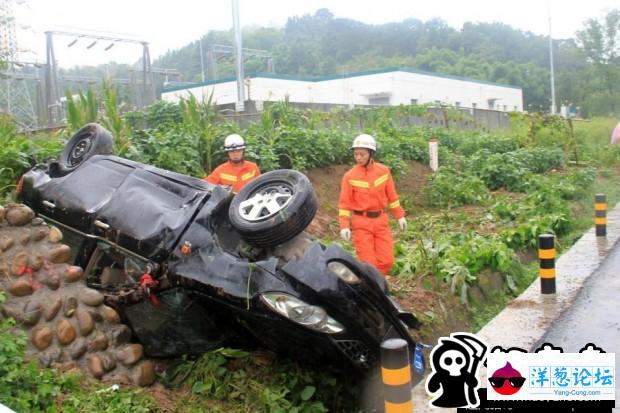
x,y
108,400
113,121
491,142
81,110
199,122
175,149
251,382
540,160
23,386
162,113
448,188
18,153
498,170
454,258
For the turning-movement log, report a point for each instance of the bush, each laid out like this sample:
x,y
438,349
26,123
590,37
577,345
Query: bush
x,y
497,170
539,160
492,143
447,188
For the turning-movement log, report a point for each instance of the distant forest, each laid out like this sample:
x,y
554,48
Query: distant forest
x,y
587,67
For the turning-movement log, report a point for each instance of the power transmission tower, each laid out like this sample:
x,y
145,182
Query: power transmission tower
x,y
14,96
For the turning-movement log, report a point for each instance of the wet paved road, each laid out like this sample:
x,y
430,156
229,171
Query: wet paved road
x,y
594,316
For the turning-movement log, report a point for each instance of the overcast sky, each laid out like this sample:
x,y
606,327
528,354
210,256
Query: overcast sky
x,y
172,24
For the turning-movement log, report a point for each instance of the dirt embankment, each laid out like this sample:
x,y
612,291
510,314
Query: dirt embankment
x,y
326,182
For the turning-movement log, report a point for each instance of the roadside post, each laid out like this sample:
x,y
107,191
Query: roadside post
x,y
546,257
433,154
600,214
396,376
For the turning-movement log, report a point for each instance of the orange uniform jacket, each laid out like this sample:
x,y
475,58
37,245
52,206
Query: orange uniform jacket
x,y
368,189
235,175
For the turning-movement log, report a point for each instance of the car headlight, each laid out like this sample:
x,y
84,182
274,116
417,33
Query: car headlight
x,y
302,313
343,272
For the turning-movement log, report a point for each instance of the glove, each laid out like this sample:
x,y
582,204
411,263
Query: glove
x,y
402,223
345,234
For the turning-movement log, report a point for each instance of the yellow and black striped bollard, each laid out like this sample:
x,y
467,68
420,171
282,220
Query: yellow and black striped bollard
x,y
600,214
396,375
546,256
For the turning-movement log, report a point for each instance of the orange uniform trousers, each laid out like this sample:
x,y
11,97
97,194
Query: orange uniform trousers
x,y
373,241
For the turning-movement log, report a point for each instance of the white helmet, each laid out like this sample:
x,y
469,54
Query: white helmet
x,y
364,141
233,142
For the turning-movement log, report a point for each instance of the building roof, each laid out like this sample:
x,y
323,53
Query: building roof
x,y
332,77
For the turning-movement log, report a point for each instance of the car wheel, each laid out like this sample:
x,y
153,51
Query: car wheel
x,y
91,140
273,208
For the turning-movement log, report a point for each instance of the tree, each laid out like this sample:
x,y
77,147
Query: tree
x,y
600,41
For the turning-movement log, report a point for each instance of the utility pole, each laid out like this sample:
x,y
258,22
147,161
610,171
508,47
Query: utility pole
x,y
553,106
239,107
202,62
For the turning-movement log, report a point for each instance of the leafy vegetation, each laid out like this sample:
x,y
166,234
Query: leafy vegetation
x,y
256,382
493,195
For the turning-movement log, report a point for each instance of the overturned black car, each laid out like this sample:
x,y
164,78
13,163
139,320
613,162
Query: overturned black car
x,y
191,267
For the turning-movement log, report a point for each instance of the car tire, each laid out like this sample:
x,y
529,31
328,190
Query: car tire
x,y
92,139
273,208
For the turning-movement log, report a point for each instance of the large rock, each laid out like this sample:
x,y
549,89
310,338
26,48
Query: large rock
x,y
65,332
130,354
110,314
39,234
32,313
59,254
51,308
55,235
18,215
95,366
78,348
86,324
144,373
19,265
99,343
21,287
42,337
73,273
6,243
70,306
91,297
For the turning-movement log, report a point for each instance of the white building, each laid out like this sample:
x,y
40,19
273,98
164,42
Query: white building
x,y
378,87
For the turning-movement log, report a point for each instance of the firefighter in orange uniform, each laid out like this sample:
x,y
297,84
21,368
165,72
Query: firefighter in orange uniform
x,y
237,171
366,192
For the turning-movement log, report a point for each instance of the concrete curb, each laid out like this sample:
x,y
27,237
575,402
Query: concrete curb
x,y
526,319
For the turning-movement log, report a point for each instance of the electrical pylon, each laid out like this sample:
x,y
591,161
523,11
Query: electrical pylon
x,y
14,96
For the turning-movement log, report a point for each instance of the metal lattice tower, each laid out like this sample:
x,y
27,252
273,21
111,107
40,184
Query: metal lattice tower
x,y
14,96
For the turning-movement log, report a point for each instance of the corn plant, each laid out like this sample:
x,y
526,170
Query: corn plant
x,y
81,110
112,119
199,119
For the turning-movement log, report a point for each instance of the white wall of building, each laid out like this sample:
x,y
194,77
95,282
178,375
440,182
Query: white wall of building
x,y
390,87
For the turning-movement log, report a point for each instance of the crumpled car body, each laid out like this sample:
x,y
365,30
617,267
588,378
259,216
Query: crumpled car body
x,y
125,220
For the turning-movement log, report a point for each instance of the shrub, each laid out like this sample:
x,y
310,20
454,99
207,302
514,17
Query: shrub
x,y
447,188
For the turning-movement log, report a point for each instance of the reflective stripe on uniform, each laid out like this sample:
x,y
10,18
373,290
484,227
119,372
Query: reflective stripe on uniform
x,y
344,212
248,175
359,184
394,204
381,180
228,177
